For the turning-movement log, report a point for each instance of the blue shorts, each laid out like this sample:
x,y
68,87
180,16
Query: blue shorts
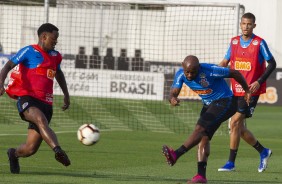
x,y
215,113
24,102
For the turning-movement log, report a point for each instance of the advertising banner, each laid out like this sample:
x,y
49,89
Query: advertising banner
x,y
113,84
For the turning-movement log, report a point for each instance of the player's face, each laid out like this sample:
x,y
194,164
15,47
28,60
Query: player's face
x,y
50,40
247,26
190,72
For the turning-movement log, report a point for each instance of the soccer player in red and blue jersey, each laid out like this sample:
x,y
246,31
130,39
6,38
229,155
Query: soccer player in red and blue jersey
x,y
219,104
31,83
247,54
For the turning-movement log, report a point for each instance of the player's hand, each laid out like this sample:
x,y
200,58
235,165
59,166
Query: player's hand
x,y
248,96
66,103
174,101
254,87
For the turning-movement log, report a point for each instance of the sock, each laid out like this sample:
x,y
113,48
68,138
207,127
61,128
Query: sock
x,y
232,155
57,148
202,168
180,151
258,147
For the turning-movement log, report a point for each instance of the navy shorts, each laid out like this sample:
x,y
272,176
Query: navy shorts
x,y
243,107
214,114
25,102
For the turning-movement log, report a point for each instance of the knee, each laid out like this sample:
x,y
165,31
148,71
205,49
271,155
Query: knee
x,y
204,147
235,125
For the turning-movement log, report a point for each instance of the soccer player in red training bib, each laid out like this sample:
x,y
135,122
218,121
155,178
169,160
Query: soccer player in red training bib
x,y
247,54
219,104
31,83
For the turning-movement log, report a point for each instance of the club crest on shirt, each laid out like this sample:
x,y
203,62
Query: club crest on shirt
x,y
203,80
255,42
53,53
235,42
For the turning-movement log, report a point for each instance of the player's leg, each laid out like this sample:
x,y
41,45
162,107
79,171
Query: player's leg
x,y
236,124
192,141
27,149
247,135
35,115
39,115
203,154
219,112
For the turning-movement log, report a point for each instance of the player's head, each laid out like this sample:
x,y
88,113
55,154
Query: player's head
x,y
191,67
48,35
247,24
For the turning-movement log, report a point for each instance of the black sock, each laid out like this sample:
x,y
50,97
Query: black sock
x,y
232,155
258,147
202,168
180,151
57,148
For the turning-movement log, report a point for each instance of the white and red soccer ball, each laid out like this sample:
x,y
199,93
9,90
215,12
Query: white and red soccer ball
x,y
88,134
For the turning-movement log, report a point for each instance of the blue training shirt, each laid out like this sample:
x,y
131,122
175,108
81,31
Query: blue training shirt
x,y
209,83
264,53
29,56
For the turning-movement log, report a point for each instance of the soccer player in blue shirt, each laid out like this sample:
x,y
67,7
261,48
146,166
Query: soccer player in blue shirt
x,y
207,80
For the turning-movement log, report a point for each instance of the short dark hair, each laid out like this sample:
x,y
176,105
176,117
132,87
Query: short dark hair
x,y
249,16
47,27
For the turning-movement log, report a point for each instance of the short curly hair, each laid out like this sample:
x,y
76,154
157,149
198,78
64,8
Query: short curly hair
x,y
47,27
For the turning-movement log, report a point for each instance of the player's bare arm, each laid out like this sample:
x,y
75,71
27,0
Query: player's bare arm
x,y
174,92
224,63
60,77
3,74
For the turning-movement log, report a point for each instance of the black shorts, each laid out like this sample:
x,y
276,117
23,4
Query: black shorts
x,y
25,102
243,107
214,114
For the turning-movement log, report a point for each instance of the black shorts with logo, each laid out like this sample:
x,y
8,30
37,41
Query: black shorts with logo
x,y
24,102
214,114
243,107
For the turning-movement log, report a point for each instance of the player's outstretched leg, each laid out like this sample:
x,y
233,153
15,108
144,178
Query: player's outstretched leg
x,y
62,157
197,179
264,157
169,154
14,161
229,166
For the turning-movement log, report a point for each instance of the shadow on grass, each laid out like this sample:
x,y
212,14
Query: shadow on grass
x,y
128,177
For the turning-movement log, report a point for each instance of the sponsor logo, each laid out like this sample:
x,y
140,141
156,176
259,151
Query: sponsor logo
x,y
132,88
271,96
203,92
51,74
242,65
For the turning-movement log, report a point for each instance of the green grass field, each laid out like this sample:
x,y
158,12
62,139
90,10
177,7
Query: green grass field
x,y
134,157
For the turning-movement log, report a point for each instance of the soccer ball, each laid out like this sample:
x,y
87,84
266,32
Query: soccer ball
x,y
88,134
